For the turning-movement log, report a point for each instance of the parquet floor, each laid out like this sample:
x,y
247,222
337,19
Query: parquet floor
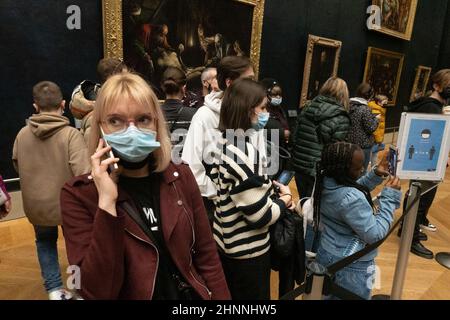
x,y
425,280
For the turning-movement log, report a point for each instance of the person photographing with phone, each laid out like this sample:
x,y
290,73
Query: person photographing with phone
x,y
140,232
348,220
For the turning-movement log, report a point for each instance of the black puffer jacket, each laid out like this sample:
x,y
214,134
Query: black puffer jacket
x,y
177,115
426,105
363,122
321,122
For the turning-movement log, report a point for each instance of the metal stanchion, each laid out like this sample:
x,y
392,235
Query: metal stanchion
x,y
405,243
316,281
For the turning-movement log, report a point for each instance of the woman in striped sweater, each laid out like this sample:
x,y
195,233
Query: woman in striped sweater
x,y
247,203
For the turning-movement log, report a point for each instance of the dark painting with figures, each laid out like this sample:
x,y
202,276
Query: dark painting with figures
x,y
420,83
397,17
188,34
322,68
383,71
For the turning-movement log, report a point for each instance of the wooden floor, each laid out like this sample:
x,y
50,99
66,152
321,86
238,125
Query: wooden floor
x,y
425,280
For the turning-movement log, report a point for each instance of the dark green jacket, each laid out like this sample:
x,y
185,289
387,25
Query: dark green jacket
x,y
321,122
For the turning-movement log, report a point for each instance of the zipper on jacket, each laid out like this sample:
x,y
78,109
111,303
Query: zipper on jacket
x,y
157,258
193,242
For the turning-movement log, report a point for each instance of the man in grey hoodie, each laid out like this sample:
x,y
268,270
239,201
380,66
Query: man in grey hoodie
x,y
200,143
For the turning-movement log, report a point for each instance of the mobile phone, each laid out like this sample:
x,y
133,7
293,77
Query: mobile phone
x,y
286,177
113,166
393,160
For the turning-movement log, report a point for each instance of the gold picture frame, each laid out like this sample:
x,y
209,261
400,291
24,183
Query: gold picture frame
x,y
393,21
113,29
319,69
383,71
420,85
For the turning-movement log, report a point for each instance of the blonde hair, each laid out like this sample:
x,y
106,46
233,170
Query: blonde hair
x,y
442,78
336,88
379,98
131,87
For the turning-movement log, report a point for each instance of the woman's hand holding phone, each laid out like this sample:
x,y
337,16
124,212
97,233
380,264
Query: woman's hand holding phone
x,y
382,168
394,183
105,182
285,195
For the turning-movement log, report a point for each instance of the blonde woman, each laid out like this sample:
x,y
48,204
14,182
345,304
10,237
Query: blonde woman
x,y
323,121
140,232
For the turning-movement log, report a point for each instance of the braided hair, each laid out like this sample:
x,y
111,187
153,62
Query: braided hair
x,y
336,162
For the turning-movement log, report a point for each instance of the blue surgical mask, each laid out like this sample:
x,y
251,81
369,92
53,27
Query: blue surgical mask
x,y
263,118
276,101
133,145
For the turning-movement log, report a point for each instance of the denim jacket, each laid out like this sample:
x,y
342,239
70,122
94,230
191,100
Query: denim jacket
x,y
348,222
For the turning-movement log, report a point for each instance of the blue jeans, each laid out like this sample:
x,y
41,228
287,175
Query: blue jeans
x,y
367,154
311,240
47,251
358,277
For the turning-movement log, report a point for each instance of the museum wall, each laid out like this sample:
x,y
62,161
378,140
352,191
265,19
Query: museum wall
x,y
37,45
287,24
444,59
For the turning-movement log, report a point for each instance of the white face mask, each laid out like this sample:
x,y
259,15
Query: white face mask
x,y
276,101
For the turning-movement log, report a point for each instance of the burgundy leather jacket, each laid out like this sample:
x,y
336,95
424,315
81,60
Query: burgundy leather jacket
x,y
119,261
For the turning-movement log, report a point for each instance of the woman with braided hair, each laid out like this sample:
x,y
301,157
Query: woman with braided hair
x,y
347,215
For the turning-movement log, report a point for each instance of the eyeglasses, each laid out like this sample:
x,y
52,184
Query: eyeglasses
x,y
117,123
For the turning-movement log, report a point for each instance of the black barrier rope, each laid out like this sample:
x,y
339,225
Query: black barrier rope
x,y
329,285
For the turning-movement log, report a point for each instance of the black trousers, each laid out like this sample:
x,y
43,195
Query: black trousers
x,y
424,206
248,279
305,184
210,209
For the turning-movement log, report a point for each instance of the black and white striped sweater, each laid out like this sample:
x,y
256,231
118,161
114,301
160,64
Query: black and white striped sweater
x,y
245,207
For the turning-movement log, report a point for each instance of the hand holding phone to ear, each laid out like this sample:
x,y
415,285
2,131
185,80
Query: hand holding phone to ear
x,y
105,181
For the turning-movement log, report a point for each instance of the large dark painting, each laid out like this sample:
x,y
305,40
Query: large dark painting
x,y
420,83
321,63
397,17
188,34
383,71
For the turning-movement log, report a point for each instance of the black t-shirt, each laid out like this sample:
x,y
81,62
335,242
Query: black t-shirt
x,y
145,194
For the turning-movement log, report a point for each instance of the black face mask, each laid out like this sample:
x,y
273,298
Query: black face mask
x,y
445,94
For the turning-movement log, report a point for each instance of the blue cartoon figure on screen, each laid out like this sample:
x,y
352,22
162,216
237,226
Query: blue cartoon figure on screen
x,y
424,145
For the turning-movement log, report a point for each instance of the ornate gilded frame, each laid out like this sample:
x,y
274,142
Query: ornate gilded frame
x,y
417,78
312,42
113,33
391,54
409,28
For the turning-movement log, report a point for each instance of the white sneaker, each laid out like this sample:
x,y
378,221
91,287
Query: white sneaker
x,y
60,294
429,227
